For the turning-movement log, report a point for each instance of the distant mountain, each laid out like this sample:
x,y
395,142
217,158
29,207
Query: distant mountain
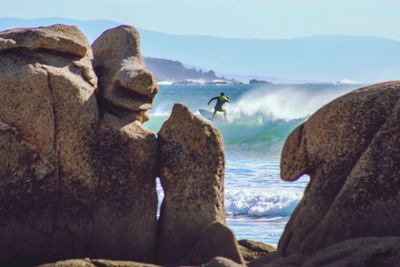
x,y
318,58
175,71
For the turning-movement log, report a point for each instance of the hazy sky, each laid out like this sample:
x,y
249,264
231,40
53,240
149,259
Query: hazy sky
x,y
268,19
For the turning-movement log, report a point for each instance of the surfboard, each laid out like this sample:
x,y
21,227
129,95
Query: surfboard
x,y
209,115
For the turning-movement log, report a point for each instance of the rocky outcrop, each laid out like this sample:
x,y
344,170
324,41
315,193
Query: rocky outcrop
x,y
60,38
176,72
360,252
124,161
252,250
126,88
47,108
350,148
96,263
215,240
191,173
73,183
221,262
78,170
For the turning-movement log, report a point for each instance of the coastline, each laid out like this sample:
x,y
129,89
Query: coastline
x,y
79,166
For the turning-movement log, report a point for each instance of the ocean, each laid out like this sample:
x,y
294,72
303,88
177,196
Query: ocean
x,y
260,117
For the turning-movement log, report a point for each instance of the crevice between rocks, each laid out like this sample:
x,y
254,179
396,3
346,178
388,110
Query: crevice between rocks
x,y
106,106
57,150
18,49
133,93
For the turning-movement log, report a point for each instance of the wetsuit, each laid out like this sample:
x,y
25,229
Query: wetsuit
x,y
221,100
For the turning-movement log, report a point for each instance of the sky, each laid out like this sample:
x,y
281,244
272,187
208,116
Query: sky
x,y
264,19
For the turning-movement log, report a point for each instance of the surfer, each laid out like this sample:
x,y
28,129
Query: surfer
x,y
221,100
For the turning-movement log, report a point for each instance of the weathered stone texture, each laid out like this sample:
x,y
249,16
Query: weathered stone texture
x,y
350,148
126,87
191,173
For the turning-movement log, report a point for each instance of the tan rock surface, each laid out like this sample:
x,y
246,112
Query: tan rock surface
x,y
72,184
126,87
60,38
46,103
221,262
216,240
124,160
191,173
360,252
252,250
96,263
350,148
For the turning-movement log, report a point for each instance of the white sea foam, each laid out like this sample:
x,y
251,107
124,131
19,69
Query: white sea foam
x,y
162,109
257,201
257,105
165,82
278,204
253,189
282,103
348,81
263,205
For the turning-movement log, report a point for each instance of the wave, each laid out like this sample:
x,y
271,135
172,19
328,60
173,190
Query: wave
x,y
258,136
254,104
259,118
257,206
165,82
350,82
260,206
270,204
252,136
285,103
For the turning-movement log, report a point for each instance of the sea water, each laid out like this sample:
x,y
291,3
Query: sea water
x,y
260,117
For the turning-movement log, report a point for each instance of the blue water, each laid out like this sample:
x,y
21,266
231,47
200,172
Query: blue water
x,y
260,117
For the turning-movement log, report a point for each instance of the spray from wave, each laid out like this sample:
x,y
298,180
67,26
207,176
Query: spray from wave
x,y
281,104
261,205
259,119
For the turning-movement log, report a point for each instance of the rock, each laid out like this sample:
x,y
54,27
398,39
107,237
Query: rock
x,y
350,148
96,263
70,263
221,262
58,38
124,160
295,260
78,180
108,263
191,166
267,259
126,88
47,111
215,240
73,184
252,250
360,252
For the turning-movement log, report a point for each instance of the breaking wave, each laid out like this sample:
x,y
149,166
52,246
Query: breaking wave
x,y
260,206
259,119
287,103
264,204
